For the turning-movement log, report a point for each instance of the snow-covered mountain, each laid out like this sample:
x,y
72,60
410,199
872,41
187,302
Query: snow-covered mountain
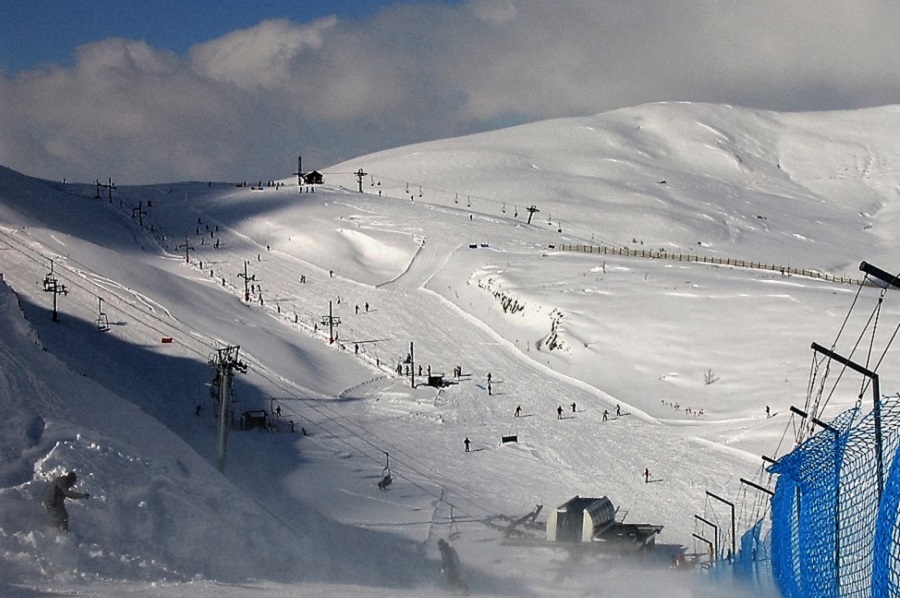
x,y
435,255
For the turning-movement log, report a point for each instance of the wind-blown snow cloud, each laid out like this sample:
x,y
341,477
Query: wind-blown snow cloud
x,y
244,105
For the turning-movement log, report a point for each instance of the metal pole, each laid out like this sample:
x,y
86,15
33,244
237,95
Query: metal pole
x,y
757,486
890,279
224,393
730,504
876,392
715,534
702,539
837,481
55,316
412,365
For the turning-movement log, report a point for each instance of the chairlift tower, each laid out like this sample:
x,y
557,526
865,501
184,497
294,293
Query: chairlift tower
x,y
359,178
187,249
331,321
412,365
247,278
299,172
140,212
51,285
226,362
109,185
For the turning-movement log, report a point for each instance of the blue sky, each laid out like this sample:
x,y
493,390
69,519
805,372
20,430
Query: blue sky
x,y
235,90
33,32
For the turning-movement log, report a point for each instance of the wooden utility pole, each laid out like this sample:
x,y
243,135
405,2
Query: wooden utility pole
x,y
531,212
51,285
359,178
226,362
331,320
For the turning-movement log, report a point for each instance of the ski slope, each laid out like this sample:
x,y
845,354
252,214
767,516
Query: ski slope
x,y
438,246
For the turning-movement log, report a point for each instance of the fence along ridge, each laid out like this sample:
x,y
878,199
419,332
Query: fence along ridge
x,y
703,259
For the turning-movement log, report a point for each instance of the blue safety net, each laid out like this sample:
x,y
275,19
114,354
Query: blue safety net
x,y
835,527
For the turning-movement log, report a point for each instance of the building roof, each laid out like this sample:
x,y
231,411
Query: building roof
x,y
579,503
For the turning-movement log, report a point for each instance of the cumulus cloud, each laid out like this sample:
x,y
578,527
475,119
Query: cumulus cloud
x,y
262,56
242,106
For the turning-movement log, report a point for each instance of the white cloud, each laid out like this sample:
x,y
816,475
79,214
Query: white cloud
x,y
261,56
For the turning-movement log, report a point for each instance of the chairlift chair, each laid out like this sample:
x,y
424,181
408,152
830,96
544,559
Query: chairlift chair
x,y
102,318
386,478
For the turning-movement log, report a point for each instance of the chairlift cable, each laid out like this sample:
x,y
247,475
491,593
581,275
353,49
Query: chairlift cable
x,y
872,317
849,311
325,413
884,353
125,306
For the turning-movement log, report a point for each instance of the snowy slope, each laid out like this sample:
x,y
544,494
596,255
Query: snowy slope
x,y
436,252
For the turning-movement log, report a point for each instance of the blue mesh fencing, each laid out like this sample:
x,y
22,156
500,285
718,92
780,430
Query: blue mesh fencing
x,y
858,501
886,574
834,532
752,565
785,536
813,467
886,552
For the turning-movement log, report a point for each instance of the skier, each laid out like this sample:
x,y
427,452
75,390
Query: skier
x,y
605,415
646,475
518,411
573,407
450,567
768,413
489,377
489,388
618,410
55,499
466,442
278,410
559,412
